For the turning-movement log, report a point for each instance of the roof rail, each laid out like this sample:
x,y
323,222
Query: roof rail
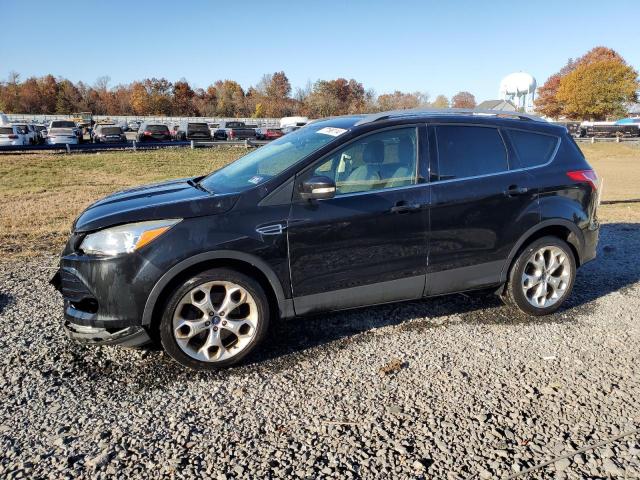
x,y
375,117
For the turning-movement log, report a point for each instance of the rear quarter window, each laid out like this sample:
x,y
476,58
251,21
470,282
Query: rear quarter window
x,y
532,149
469,151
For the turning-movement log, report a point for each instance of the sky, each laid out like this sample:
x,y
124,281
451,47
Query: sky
x,y
435,47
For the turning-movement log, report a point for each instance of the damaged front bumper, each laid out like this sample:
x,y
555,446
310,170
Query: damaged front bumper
x,y
126,337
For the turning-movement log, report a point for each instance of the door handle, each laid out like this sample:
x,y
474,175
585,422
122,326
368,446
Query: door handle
x,y
513,190
405,207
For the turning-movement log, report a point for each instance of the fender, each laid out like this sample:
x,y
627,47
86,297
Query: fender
x,y
285,305
577,241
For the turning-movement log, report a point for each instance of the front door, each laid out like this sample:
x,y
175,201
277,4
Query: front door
x,y
368,244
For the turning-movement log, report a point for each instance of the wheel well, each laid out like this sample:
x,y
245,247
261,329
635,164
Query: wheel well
x,y
560,231
237,265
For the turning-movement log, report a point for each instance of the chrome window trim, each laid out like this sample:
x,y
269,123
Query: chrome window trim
x,y
524,169
416,126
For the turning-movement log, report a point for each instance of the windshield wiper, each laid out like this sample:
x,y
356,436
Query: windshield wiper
x,y
198,185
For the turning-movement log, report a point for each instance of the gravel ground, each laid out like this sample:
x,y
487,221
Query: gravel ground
x,y
454,387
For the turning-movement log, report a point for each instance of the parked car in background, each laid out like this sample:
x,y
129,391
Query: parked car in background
x,y
268,133
42,133
290,128
573,127
234,130
12,135
61,128
293,121
174,132
153,132
134,125
29,131
193,131
109,134
346,212
61,135
96,126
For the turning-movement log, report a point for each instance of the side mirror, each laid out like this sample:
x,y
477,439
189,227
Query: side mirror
x,y
318,188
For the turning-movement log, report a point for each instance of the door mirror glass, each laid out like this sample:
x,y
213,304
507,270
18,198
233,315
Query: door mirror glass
x,y
318,188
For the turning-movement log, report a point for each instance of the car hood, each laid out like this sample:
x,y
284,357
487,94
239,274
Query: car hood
x,y
173,199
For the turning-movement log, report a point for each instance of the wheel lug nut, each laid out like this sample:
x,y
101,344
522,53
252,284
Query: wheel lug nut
x,y
211,314
207,324
224,322
222,314
215,329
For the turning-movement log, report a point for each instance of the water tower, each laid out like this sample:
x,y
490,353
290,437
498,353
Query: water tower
x,y
520,88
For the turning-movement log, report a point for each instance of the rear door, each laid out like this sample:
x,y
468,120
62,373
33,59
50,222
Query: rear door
x,y
482,203
368,244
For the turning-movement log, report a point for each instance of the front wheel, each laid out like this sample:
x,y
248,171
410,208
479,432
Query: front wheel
x,y
214,319
542,277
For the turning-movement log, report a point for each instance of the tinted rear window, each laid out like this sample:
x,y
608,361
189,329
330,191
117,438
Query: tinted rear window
x,y
198,127
465,151
532,148
62,124
158,128
6,130
111,130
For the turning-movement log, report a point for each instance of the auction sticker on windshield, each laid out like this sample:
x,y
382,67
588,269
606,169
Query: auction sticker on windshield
x,y
333,131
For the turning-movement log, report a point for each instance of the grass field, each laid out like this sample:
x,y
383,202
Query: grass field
x,y
41,194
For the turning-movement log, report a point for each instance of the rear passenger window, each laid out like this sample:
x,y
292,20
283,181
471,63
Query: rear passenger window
x,y
532,148
466,151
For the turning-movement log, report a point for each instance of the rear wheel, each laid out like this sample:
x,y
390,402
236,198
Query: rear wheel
x,y
214,319
542,277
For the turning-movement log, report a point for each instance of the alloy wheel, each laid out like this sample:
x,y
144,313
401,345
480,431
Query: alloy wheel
x,y
215,321
546,277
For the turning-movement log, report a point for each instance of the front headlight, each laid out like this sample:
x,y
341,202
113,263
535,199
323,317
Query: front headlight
x,y
125,238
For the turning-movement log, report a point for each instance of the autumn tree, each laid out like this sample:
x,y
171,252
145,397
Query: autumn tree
x,y
440,102
337,97
553,104
401,101
547,102
68,97
598,89
140,101
463,100
183,99
30,96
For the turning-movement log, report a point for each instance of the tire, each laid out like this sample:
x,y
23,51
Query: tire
x,y
194,318
547,285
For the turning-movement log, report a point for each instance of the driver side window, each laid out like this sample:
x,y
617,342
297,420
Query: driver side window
x,y
382,160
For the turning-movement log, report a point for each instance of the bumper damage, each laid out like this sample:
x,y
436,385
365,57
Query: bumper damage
x,y
127,337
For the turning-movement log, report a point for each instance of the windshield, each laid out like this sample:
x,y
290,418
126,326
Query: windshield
x,y
270,160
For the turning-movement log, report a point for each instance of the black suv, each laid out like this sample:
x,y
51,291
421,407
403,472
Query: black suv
x,y
343,213
193,131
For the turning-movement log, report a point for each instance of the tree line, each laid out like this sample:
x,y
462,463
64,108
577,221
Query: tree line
x,y
273,96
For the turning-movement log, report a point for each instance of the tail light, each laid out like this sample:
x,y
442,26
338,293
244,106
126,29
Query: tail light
x,y
146,132
232,134
588,176
13,137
